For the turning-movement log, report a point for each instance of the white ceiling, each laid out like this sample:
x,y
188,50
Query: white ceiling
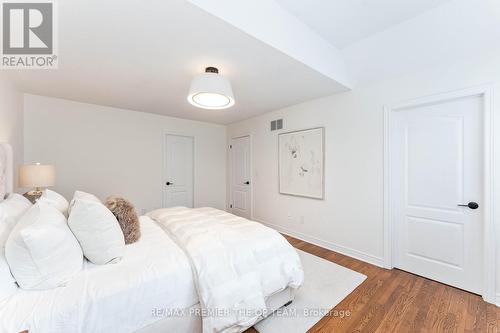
x,y
458,34
142,55
344,22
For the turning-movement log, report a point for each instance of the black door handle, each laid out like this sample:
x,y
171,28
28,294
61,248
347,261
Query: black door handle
x,y
247,183
471,205
169,183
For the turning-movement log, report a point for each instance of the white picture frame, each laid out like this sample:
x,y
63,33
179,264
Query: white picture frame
x,y
301,163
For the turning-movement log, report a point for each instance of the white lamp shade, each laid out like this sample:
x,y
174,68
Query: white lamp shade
x,y
211,91
37,175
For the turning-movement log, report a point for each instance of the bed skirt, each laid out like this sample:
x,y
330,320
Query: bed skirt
x,y
193,324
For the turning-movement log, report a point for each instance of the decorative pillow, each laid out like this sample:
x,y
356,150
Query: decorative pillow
x,y
11,211
5,229
84,196
124,212
7,283
56,200
97,230
41,250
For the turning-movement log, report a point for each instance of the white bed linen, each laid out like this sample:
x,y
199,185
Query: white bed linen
x,y
123,297
238,264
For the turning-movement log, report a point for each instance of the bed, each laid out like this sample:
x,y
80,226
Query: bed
x,y
166,281
154,274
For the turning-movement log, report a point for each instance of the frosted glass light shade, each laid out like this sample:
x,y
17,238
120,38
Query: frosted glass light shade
x,y
211,91
37,175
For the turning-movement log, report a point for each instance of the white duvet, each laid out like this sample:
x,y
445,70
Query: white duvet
x,y
153,275
237,264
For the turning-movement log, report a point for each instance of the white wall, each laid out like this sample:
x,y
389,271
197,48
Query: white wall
x,y
11,121
108,151
350,219
450,48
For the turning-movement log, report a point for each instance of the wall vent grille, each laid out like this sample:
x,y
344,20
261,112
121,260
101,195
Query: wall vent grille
x,y
276,124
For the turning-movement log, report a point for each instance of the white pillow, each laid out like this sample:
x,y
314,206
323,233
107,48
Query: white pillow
x,y
84,196
56,200
97,230
7,284
5,229
41,250
11,210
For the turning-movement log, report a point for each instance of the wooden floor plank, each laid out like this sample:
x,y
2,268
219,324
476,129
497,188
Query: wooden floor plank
x,y
400,302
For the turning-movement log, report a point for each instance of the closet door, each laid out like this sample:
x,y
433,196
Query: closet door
x,y
178,164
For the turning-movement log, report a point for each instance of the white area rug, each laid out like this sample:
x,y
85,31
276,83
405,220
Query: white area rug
x,y
325,285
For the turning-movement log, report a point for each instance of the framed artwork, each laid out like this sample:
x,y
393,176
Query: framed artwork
x,y
301,163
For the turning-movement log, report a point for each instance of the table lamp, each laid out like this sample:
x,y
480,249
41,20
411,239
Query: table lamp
x,y
36,176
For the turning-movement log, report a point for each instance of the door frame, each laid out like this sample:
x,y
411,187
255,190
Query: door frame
x,y
249,136
164,165
489,221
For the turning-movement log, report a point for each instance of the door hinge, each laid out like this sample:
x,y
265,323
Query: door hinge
x,y
230,146
231,206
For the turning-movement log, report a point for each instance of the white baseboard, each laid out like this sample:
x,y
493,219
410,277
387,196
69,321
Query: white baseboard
x,y
371,259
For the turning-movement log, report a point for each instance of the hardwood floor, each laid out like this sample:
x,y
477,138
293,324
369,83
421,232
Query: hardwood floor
x,y
397,301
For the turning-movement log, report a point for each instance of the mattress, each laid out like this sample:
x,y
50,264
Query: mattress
x,y
153,277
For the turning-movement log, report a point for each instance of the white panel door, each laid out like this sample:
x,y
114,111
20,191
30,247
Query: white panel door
x,y
178,182
436,167
241,187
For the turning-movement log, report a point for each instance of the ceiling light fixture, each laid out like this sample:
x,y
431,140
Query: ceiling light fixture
x,y
211,90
